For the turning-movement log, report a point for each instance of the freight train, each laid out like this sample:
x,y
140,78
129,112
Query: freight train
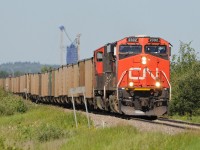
x,y
130,76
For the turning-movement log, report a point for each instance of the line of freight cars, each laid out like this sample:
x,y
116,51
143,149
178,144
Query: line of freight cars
x,y
54,86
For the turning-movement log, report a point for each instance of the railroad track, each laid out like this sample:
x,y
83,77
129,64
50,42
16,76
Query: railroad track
x,y
177,123
172,123
160,121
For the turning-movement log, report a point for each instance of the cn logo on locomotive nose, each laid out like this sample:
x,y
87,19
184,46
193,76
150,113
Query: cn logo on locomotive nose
x,y
145,71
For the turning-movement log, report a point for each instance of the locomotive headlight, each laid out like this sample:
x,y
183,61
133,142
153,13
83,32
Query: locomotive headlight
x,y
131,84
157,84
144,60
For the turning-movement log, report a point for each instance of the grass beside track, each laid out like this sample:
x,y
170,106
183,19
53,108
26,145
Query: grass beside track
x,y
38,127
128,138
48,127
42,126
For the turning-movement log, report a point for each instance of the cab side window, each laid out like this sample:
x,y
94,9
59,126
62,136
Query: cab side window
x,y
99,56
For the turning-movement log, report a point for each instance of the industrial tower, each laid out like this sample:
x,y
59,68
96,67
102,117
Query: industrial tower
x,y
73,51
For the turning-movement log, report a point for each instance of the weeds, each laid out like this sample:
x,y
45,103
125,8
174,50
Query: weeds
x,y
48,132
39,126
2,143
10,104
127,137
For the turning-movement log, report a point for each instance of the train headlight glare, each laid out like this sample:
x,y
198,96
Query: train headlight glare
x,y
144,60
157,84
131,84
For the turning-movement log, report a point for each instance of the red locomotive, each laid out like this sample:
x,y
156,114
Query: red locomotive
x,y
130,76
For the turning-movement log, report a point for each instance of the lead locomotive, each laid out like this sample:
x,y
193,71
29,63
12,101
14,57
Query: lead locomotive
x,y
132,76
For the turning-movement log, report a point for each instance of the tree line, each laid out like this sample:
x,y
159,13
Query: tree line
x,y
20,68
185,81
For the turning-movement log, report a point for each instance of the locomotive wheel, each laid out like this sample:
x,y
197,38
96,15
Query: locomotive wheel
x,y
113,103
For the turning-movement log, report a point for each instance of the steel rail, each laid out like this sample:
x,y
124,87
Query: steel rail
x,y
179,121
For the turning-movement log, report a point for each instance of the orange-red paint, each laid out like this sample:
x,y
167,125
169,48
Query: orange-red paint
x,y
98,64
155,65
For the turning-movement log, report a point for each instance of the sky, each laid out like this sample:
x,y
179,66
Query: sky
x,y
29,29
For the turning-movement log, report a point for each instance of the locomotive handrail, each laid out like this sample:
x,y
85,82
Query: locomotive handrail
x,y
120,80
170,89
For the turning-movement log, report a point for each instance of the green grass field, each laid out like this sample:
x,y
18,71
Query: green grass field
x,y
48,127
38,126
128,138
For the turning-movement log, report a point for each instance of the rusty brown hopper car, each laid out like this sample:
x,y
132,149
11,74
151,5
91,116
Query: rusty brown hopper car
x,y
22,86
75,78
56,82
81,73
89,70
17,85
44,85
64,83
60,81
70,79
28,83
8,84
14,84
53,83
35,86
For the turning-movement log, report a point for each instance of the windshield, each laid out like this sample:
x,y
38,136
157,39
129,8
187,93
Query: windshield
x,y
155,49
129,50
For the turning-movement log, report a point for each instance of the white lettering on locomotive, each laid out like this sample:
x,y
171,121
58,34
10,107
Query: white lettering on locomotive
x,y
144,72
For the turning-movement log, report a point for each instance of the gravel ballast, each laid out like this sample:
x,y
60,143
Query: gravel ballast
x,y
103,121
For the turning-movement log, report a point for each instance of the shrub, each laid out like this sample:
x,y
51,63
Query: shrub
x,y
48,132
185,80
10,104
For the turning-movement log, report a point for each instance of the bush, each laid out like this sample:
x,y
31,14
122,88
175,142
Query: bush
x,y
48,132
10,104
188,99
185,80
